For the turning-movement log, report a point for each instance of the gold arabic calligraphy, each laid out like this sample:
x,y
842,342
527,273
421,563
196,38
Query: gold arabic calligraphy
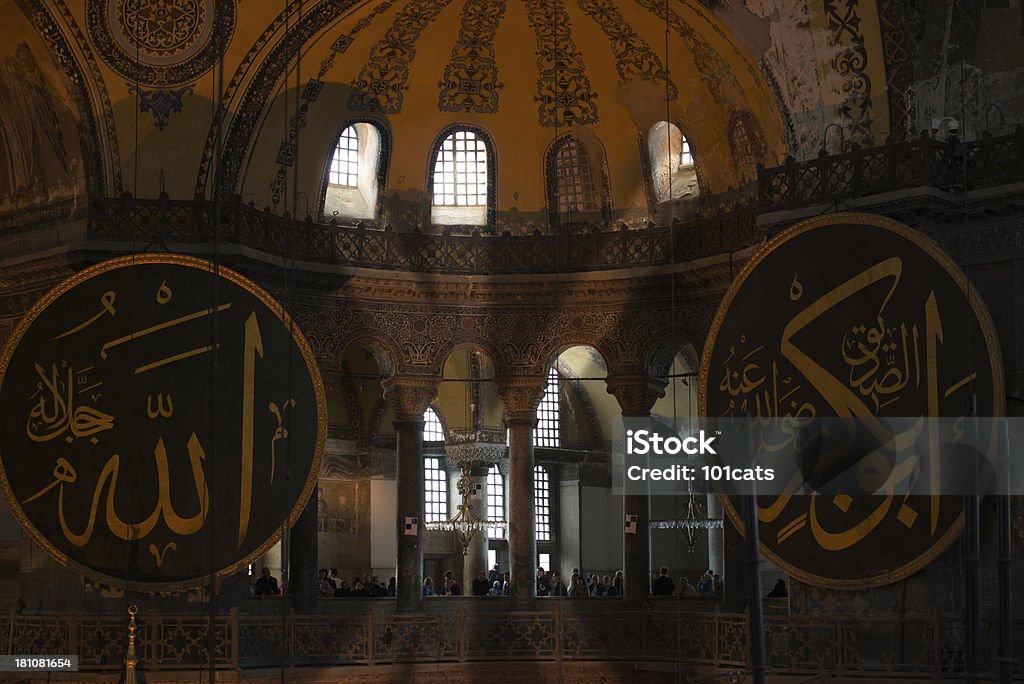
x,y
882,359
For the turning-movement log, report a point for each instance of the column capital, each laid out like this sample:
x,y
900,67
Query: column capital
x,y
520,396
636,394
409,397
475,450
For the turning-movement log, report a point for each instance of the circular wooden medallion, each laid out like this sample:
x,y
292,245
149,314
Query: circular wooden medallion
x,y
163,420
859,317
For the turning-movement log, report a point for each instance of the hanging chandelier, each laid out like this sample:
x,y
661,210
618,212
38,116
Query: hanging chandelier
x,y
465,451
466,524
693,520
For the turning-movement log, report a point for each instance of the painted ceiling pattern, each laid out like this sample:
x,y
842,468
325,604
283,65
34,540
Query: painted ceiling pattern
x,y
713,69
382,82
634,58
470,81
563,88
851,62
160,42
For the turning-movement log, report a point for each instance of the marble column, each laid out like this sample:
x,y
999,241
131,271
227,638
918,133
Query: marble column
x,y
409,398
521,396
636,395
475,558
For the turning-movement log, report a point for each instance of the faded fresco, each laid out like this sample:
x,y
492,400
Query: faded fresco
x,y
39,158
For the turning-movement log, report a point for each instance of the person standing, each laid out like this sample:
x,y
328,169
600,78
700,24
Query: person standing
x,y
663,586
266,585
480,585
556,588
543,584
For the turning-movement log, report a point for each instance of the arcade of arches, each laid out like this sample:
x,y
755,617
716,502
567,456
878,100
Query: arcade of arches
x,y
502,227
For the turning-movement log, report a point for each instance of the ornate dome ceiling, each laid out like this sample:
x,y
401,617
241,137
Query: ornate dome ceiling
x,y
525,72
142,82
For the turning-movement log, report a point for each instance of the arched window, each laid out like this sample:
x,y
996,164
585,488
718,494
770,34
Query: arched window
x,y
747,144
542,503
435,485
461,178
574,185
433,431
672,164
548,415
345,162
355,173
495,501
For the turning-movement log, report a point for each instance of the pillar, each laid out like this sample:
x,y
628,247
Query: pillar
x,y
409,398
734,555
716,536
636,395
475,558
520,397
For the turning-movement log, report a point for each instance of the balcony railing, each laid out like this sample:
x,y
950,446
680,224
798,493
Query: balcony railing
x,y
949,165
915,647
164,221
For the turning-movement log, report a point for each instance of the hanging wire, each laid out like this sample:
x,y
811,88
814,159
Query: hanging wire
x,y
672,277
286,309
128,565
213,456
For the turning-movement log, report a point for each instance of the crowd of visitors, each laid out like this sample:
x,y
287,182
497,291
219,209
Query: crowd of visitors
x,y
497,583
709,584
329,584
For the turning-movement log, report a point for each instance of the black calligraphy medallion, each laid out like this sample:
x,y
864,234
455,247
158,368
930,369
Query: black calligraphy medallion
x,y
162,421
857,317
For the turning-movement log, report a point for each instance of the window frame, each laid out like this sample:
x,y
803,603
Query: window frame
x,y
648,164
440,424
596,164
579,172
491,170
351,153
495,492
549,437
382,163
435,508
543,526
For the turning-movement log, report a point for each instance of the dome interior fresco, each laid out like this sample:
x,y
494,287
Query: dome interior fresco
x,y
143,83
45,148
